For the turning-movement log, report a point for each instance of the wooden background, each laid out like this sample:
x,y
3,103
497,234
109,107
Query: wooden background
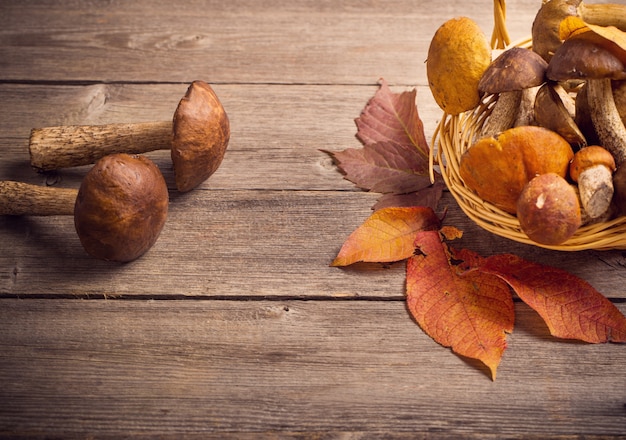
x,y
233,324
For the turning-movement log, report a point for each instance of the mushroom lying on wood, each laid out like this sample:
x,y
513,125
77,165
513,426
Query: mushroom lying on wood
x,y
119,209
198,137
545,28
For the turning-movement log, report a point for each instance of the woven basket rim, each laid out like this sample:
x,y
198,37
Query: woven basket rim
x,y
455,133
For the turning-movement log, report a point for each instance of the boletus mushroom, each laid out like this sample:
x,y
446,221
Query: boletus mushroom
x,y
551,113
515,70
592,168
548,209
590,57
198,137
458,55
498,167
119,209
545,28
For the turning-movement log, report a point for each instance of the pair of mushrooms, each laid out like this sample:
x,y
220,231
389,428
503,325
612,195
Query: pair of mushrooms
x,y
122,203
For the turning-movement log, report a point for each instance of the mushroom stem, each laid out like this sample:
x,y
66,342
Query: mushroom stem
x,y
19,198
526,112
503,114
606,119
74,145
595,185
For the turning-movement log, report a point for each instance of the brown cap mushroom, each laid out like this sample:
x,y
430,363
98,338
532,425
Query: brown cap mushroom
x,y
497,168
551,113
548,210
458,55
545,28
513,71
201,132
589,57
198,136
121,207
593,167
119,210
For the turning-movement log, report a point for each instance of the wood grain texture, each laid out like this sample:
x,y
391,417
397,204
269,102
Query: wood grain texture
x,y
232,42
233,325
114,368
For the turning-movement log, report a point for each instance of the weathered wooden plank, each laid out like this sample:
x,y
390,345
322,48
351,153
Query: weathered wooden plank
x,y
272,237
247,244
351,42
125,368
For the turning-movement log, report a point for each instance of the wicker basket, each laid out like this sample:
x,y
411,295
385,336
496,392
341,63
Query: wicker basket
x,y
455,133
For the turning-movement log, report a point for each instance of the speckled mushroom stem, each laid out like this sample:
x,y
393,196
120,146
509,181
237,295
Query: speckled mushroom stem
x,y
606,119
19,198
75,145
503,114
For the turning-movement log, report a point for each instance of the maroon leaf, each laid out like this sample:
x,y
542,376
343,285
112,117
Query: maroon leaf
x,y
384,167
393,117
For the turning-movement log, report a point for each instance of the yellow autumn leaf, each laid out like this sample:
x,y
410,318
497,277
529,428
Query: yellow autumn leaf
x,y
386,236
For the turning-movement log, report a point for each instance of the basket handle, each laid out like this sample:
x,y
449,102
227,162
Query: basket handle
x,y
500,37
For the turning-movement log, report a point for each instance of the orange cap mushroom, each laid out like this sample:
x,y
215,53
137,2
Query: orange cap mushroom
x,y
498,167
458,55
593,167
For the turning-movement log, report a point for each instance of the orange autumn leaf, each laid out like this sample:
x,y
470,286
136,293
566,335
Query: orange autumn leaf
x,y
470,312
574,26
386,236
570,306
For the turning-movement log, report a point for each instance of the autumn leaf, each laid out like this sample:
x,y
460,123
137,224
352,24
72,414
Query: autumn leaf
x,y
468,311
384,167
574,26
570,306
386,236
394,158
392,117
425,197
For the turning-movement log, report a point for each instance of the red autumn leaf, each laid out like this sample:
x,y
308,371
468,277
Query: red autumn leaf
x,y
386,236
393,117
470,312
570,306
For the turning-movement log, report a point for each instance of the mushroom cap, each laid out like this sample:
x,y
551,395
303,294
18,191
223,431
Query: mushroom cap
x,y
545,28
548,210
585,57
201,131
551,113
498,167
458,55
588,157
121,207
515,69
